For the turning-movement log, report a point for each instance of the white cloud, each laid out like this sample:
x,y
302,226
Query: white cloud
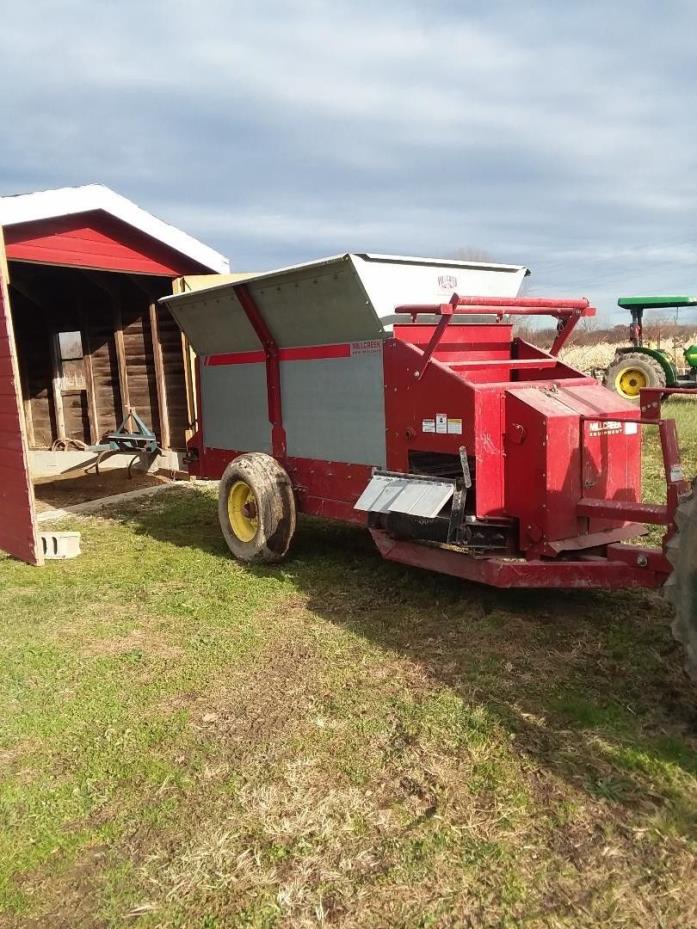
x,y
554,135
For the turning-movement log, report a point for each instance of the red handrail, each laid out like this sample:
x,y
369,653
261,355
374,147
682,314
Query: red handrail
x,y
568,312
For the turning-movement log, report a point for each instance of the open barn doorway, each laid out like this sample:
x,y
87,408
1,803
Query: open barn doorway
x,y
91,346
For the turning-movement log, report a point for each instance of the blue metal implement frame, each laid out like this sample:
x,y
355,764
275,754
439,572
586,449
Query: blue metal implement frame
x,y
140,440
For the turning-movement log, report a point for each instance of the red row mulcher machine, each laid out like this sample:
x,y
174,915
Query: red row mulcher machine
x,y
392,393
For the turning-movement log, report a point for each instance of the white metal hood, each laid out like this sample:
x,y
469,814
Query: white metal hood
x,y
344,298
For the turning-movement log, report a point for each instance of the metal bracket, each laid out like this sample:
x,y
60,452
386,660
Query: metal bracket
x,y
140,441
457,512
273,369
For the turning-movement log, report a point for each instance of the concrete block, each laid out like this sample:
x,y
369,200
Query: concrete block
x,y
60,544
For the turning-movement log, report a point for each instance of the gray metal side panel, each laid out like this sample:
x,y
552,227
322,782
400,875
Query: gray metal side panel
x,y
317,306
334,409
214,321
235,410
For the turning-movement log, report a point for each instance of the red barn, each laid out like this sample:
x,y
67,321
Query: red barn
x,y
82,338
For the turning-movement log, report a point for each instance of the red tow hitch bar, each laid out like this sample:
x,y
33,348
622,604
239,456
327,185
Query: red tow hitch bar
x,y
651,399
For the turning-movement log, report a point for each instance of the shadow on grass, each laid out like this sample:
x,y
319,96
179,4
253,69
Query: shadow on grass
x,y
589,684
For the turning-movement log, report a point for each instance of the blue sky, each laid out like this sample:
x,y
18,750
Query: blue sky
x,y
561,136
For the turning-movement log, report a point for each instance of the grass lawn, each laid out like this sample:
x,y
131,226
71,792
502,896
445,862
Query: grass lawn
x,y
337,741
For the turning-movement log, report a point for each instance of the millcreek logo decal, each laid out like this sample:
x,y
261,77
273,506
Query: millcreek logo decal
x,y
447,281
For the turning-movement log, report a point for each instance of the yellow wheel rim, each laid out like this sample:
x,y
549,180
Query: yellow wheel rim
x,y
242,511
630,381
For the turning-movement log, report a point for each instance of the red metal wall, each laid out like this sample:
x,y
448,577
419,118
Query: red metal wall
x,y
18,534
95,240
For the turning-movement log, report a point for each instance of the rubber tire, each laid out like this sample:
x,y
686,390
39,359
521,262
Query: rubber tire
x,y
275,503
655,375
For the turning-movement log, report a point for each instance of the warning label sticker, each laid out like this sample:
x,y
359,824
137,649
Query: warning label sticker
x,y
676,474
442,424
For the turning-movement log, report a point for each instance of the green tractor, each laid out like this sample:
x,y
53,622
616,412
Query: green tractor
x,y
637,365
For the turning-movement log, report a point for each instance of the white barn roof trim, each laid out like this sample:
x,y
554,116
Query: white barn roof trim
x,y
64,201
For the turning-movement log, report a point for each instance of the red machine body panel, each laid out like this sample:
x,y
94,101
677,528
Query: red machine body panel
x,y
322,488
485,343
554,458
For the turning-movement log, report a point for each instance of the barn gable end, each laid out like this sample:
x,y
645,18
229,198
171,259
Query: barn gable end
x,y
83,340
95,240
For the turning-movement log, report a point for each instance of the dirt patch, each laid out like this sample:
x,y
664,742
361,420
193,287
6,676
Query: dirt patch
x,y
76,900
138,640
58,493
262,702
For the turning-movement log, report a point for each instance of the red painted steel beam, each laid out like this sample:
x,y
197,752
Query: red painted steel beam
x,y
532,363
499,572
433,344
547,302
491,309
273,369
624,510
672,467
298,353
650,399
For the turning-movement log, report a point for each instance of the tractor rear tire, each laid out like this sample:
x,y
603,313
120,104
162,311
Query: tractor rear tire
x,y
629,373
256,508
681,586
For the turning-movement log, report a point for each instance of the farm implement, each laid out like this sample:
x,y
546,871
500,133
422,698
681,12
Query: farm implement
x,y
638,365
392,393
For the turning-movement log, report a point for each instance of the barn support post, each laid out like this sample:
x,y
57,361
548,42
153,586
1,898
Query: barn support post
x,y
92,411
37,298
56,386
113,294
121,359
26,404
160,385
189,361
180,286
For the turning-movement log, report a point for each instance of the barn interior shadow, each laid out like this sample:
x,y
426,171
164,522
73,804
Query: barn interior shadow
x,y
575,677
